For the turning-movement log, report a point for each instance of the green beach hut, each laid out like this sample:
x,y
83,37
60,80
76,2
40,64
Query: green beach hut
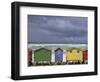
x,y
42,56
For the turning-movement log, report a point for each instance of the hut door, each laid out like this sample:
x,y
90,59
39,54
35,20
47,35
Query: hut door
x,y
59,55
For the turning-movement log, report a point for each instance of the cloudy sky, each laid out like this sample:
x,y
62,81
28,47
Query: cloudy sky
x,y
57,29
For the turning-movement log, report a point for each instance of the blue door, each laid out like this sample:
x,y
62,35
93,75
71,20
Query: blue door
x,y
58,55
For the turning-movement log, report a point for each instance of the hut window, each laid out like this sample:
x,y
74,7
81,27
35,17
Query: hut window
x,y
70,51
78,51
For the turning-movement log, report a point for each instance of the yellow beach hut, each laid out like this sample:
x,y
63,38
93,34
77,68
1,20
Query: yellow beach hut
x,y
74,55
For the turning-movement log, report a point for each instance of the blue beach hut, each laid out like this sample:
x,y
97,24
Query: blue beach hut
x,y
58,55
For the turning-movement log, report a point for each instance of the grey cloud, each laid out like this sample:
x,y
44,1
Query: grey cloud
x,y
57,29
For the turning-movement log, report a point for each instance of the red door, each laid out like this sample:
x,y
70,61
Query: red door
x,y
85,55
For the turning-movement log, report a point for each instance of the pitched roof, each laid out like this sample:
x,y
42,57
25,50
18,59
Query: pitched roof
x,y
74,49
41,49
58,49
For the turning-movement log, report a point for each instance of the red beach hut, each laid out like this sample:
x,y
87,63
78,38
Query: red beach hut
x,y
85,56
29,57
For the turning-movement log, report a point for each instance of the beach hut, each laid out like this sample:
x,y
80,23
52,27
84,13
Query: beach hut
x,y
42,56
29,57
85,56
74,55
58,55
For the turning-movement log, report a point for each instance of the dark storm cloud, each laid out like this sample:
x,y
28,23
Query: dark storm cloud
x,y
57,29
